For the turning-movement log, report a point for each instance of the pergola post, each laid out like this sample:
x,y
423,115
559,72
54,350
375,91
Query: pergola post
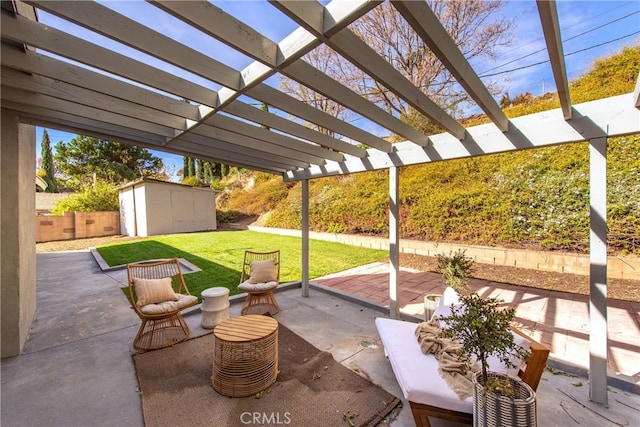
x,y
305,238
598,271
394,244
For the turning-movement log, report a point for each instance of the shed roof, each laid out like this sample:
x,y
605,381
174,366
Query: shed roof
x,y
162,182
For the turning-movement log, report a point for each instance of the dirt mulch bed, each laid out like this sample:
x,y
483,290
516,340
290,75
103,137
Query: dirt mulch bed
x,y
628,290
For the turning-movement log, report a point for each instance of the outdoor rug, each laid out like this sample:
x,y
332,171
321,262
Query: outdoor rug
x,y
312,389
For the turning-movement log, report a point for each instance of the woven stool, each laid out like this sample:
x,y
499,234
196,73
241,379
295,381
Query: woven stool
x,y
215,307
245,358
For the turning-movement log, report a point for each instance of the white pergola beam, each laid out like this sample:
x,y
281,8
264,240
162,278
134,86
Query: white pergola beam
x,y
315,79
251,142
364,57
295,107
56,69
38,116
309,152
551,29
213,21
248,112
75,109
109,23
427,25
74,94
289,50
32,33
224,152
615,116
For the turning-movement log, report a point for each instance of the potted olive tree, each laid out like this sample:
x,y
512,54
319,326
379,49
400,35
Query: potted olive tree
x,y
456,270
484,330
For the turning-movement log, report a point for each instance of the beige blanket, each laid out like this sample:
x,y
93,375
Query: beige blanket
x,y
454,366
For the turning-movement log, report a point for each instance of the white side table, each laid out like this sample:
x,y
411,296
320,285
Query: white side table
x,y
215,306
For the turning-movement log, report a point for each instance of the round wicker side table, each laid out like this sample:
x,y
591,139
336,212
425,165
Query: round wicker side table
x,y
245,358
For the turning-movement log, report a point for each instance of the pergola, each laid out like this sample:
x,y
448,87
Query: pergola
x,y
89,89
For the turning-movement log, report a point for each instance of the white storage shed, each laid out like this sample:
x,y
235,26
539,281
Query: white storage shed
x,y
150,207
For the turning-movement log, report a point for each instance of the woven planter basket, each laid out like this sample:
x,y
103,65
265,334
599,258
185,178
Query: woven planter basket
x,y
495,410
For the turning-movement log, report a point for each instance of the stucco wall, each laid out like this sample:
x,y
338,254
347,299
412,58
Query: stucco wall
x,y
17,245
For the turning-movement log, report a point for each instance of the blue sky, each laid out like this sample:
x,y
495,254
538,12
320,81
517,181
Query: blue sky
x,y
617,23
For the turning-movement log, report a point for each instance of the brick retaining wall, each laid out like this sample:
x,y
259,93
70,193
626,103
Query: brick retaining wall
x,y
77,225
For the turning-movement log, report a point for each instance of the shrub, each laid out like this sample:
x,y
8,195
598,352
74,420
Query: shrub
x,y
193,181
100,196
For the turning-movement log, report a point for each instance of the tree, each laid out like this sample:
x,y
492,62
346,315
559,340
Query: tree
x,y
185,167
476,27
191,166
47,165
200,170
87,159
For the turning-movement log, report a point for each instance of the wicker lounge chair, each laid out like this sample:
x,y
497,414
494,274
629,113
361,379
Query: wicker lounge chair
x,y
158,294
260,276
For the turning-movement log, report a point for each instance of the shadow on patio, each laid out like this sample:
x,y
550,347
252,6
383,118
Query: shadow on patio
x,y
77,369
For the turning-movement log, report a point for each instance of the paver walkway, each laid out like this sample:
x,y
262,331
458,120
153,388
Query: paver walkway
x,y
558,320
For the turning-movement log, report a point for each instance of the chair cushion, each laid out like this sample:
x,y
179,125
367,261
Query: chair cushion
x,y
247,286
183,301
262,271
153,291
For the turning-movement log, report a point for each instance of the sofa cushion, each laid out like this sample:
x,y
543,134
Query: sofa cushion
x,y
153,291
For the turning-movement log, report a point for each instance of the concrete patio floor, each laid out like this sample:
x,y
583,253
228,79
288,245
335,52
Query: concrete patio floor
x,y
76,368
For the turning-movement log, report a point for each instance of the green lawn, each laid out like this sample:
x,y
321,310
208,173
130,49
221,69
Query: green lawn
x,y
220,253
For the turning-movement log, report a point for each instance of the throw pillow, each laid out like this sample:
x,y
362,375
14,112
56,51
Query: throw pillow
x,y
154,291
262,271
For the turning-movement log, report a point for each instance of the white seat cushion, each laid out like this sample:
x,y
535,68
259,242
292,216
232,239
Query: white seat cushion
x,y
183,301
247,286
417,373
